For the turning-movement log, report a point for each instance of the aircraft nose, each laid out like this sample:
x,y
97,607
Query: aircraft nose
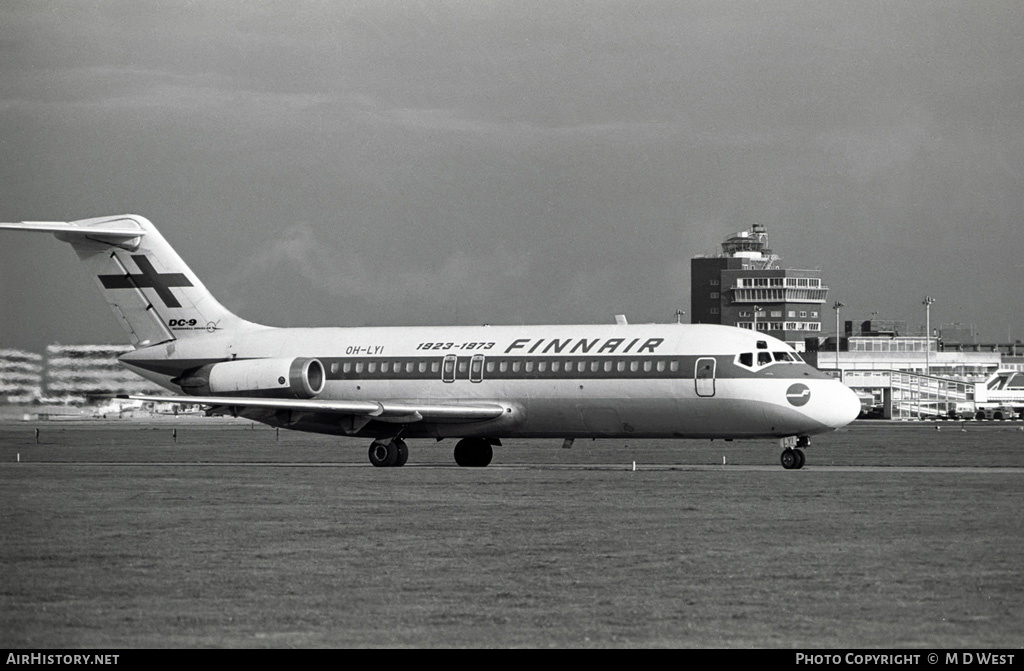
x,y
843,406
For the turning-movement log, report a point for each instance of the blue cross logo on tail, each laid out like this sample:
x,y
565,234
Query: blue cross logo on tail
x,y
148,277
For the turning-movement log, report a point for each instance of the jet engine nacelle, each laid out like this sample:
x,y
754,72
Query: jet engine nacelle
x,y
281,378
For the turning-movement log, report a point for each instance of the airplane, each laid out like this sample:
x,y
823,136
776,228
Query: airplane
x,y
477,384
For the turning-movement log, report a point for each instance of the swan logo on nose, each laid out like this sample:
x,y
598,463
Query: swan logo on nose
x,y
798,394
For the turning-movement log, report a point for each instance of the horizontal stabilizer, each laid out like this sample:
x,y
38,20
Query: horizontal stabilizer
x,y
384,411
114,234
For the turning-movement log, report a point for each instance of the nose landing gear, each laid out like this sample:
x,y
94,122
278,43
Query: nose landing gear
x,y
792,456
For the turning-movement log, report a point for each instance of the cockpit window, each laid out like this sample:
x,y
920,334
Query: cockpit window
x,y
766,358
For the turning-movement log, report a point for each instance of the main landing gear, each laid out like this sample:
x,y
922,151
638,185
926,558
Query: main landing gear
x,y
792,457
473,452
392,452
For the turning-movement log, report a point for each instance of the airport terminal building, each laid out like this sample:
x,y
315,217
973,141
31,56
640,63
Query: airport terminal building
x,y
897,374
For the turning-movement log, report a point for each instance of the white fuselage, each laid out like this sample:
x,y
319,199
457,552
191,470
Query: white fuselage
x,y
642,380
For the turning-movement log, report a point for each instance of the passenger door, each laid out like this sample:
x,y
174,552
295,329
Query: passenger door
x,y
704,376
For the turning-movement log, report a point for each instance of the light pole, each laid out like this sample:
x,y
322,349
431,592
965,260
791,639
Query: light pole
x,y
756,308
927,303
836,307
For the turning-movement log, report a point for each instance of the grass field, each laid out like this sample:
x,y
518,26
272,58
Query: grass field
x,y
192,534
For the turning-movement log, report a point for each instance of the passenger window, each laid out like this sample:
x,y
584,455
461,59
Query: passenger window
x,y
620,366
515,366
384,367
371,367
647,366
661,366
674,366
607,366
634,366
346,367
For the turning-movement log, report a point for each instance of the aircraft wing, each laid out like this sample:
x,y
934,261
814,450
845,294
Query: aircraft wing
x,y
386,411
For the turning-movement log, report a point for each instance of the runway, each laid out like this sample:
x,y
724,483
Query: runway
x,y
235,536
725,468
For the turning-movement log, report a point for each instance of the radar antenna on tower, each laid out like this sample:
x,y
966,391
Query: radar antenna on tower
x,y
752,245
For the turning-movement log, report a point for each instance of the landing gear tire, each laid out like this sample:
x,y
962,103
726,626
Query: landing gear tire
x,y
792,459
473,452
403,452
389,453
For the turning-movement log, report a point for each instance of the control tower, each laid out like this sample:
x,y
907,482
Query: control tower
x,y
752,245
743,286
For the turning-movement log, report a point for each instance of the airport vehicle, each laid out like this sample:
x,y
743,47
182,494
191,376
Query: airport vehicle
x,y
993,411
478,384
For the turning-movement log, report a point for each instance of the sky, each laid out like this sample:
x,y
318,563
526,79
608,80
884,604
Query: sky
x,y
351,163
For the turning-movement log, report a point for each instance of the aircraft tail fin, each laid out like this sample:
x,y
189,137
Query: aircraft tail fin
x,y
154,295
